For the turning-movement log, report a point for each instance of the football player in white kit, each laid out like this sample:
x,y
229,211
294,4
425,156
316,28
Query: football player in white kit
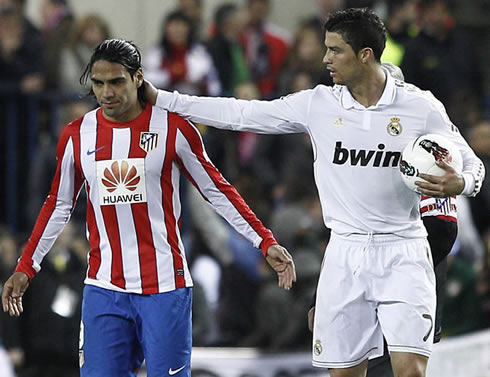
x,y
377,276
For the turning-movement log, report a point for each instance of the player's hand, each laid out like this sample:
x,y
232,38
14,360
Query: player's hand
x,y
451,183
13,290
282,262
311,318
151,92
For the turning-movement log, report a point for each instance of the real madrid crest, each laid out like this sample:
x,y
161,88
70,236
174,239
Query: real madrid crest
x,y
148,141
394,127
317,347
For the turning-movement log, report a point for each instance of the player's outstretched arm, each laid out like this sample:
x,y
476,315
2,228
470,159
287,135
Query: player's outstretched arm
x,y
451,183
282,262
13,290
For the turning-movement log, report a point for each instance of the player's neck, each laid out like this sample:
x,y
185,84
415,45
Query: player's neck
x,y
369,88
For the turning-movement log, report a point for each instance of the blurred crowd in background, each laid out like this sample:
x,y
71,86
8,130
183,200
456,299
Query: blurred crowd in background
x,y
441,45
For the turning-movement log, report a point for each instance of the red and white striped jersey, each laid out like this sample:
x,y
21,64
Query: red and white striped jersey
x,y
131,173
443,208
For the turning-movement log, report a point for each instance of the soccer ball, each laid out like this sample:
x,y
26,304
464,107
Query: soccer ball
x,y
420,156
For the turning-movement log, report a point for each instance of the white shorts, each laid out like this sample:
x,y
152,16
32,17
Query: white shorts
x,y
372,286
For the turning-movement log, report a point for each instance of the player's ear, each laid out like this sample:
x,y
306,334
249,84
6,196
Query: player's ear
x,y
138,76
365,54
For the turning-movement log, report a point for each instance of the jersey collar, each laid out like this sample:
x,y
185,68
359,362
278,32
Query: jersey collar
x,y
387,98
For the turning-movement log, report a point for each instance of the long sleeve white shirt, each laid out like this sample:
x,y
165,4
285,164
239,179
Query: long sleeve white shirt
x,y
356,149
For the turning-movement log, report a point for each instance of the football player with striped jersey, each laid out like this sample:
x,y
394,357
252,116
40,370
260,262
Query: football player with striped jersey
x,y
130,156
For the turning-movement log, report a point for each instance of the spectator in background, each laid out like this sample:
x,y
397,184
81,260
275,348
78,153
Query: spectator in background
x,y
441,58
266,47
325,7
193,10
479,139
57,21
232,151
86,34
180,62
400,24
305,58
473,17
20,49
21,78
225,49
279,160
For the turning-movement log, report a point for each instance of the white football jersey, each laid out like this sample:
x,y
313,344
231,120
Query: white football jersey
x,y
131,172
356,149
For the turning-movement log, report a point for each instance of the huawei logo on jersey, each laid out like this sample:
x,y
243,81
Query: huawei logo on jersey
x,y
121,181
120,174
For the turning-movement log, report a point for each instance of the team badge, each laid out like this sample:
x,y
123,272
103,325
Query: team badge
x,y
317,348
394,127
148,141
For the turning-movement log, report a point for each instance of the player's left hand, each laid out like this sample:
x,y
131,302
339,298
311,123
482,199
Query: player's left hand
x,y
451,183
282,262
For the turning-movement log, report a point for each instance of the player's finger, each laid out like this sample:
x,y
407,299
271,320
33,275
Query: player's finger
x,y
20,306
284,280
5,302
290,275
444,165
16,307
12,309
434,193
429,178
435,186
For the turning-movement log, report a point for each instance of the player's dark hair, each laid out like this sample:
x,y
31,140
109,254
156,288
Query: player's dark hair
x,y
118,51
360,28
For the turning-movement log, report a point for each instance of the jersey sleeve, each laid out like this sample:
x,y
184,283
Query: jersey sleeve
x,y
222,196
56,210
438,122
282,116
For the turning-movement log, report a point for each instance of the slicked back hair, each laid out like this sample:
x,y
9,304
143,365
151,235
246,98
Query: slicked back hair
x,y
118,51
360,28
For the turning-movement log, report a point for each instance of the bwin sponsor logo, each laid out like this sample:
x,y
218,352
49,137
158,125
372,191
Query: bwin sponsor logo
x,y
361,157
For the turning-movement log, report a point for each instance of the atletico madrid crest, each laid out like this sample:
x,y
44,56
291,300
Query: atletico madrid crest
x,y
148,141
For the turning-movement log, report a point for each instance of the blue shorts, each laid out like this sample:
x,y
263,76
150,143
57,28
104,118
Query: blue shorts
x,y
120,330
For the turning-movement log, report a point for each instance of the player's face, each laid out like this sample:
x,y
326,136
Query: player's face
x,y
116,91
341,60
